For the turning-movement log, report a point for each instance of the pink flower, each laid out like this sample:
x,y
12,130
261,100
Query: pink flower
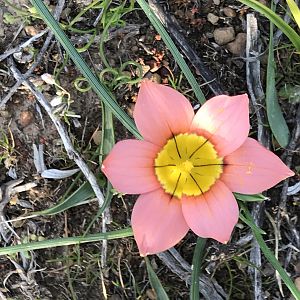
x,y
188,165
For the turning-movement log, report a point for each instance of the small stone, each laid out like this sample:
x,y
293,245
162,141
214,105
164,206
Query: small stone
x,y
31,30
97,135
297,267
229,12
153,77
264,2
26,118
213,19
224,35
237,47
151,294
216,2
297,283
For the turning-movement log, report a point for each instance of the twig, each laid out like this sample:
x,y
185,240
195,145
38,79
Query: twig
x,y
72,153
287,158
253,50
6,190
57,13
174,28
208,287
20,47
255,89
38,60
277,237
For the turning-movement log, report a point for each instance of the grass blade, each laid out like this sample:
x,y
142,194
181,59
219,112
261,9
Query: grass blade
x,y
270,256
250,198
173,49
276,120
197,260
275,19
155,282
117,234
294,10
99,88
83,193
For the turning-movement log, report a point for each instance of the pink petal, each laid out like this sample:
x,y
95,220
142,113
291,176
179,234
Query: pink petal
x,y
224,120
252,169
157,222
161,111
129,167
213,214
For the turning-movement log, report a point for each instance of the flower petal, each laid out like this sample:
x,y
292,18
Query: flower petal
x,y
224,120
157,222
213,214
252,169
161,111
129,167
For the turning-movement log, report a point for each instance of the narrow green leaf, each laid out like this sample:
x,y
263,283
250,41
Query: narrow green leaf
x,y
294,10
251,224
117,234
108,136
155,282
277,20
173,49
83,193
271,258
275,117
197,260
99,88
250,198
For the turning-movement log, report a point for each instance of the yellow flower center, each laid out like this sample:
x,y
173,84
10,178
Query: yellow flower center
x,y
188,164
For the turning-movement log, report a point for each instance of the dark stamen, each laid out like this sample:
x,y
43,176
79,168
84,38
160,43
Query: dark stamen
x,y
198,148
197,166
176,145
176,185
196,183
165,166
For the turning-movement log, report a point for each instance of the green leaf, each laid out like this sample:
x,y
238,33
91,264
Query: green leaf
x,y
117,234
83,193
173,49
277,20
294,10
99,88
250,198
196,265
276,120
270,256
251,224
155,282
108,136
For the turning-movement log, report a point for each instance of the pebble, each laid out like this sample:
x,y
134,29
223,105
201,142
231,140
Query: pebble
x,y
229,12
213,19
238,46
31,30
26,118
224,35
297,283
153,77
151,294
216,2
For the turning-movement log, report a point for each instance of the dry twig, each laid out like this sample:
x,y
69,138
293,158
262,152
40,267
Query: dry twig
x,y
208,287
253,51
39,57
72,153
